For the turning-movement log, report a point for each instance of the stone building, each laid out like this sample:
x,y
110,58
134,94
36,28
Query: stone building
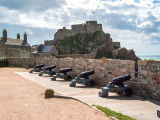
x,y
15,43
43,51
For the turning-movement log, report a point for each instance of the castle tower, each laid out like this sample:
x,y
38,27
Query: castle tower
x,y
18,36
25,37
4,35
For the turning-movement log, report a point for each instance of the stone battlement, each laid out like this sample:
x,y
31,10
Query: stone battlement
x,y
88,27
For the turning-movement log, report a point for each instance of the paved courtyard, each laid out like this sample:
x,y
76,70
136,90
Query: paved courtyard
x,y
135,106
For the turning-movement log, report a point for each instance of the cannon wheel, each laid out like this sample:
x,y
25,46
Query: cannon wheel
x,y
128,92
91,83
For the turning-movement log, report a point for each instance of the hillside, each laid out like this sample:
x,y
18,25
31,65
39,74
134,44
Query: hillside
x,y
86,44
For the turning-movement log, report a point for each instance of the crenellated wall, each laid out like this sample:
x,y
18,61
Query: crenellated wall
x,y
147,84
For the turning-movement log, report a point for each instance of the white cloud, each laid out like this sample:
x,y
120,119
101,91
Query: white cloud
x,y
140,42
127,21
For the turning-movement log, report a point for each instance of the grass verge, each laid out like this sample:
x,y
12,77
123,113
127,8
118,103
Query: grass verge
x,y
109,112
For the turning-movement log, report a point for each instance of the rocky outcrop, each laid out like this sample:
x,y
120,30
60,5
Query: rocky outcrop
x,y
89,38
86,43
123,53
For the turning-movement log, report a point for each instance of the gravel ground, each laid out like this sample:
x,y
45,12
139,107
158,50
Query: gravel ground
x,y
21,99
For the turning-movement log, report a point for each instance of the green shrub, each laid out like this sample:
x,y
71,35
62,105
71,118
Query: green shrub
x,y
150,60
69,58
103,58
3,62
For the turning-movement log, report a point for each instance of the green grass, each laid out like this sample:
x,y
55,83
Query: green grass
x,y
80,42
109,112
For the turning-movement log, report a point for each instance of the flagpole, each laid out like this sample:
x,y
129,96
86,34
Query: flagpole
x,y
94,15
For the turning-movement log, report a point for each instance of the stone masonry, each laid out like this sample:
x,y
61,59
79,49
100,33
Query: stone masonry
x,y
147,84
148,81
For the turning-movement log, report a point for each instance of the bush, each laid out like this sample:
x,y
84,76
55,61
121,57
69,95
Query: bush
x,y
150,60
3,62
103,58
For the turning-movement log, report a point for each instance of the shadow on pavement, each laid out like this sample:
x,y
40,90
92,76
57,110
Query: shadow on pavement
x,y
123,97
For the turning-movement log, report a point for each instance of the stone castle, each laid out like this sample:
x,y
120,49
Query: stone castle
x,y
85,38
88,27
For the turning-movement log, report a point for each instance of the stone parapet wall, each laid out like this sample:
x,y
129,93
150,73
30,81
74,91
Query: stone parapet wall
x,y
105,70
147,84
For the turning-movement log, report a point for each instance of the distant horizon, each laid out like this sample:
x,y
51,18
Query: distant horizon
x,y
148,55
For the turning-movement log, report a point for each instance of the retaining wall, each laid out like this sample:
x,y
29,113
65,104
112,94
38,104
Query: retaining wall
x,y
147,84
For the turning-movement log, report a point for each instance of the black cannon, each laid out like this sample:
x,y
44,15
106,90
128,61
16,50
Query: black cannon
x,y
65,70
37,68
116,85
86,74
63,74
48,70
119,80
83,78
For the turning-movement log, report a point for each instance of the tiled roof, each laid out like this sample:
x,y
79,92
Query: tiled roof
x,y
46,48
12,41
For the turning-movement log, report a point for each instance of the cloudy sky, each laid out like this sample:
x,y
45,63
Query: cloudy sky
x,y
134,23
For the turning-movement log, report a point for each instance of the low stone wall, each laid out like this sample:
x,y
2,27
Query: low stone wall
x,y
105,70
12,52
86,56
148,81
147,84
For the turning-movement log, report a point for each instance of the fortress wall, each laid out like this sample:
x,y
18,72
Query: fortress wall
x,y
147,84
90,27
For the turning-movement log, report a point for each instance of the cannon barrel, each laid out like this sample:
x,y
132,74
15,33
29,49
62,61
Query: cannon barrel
x,y
64,70
86,74
119,80
50,67
40,65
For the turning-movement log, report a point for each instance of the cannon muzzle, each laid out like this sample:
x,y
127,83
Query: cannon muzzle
x,y
86,74
65,70
40,65
119,80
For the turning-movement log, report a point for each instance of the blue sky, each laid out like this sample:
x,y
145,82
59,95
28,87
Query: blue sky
x,y
134,23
